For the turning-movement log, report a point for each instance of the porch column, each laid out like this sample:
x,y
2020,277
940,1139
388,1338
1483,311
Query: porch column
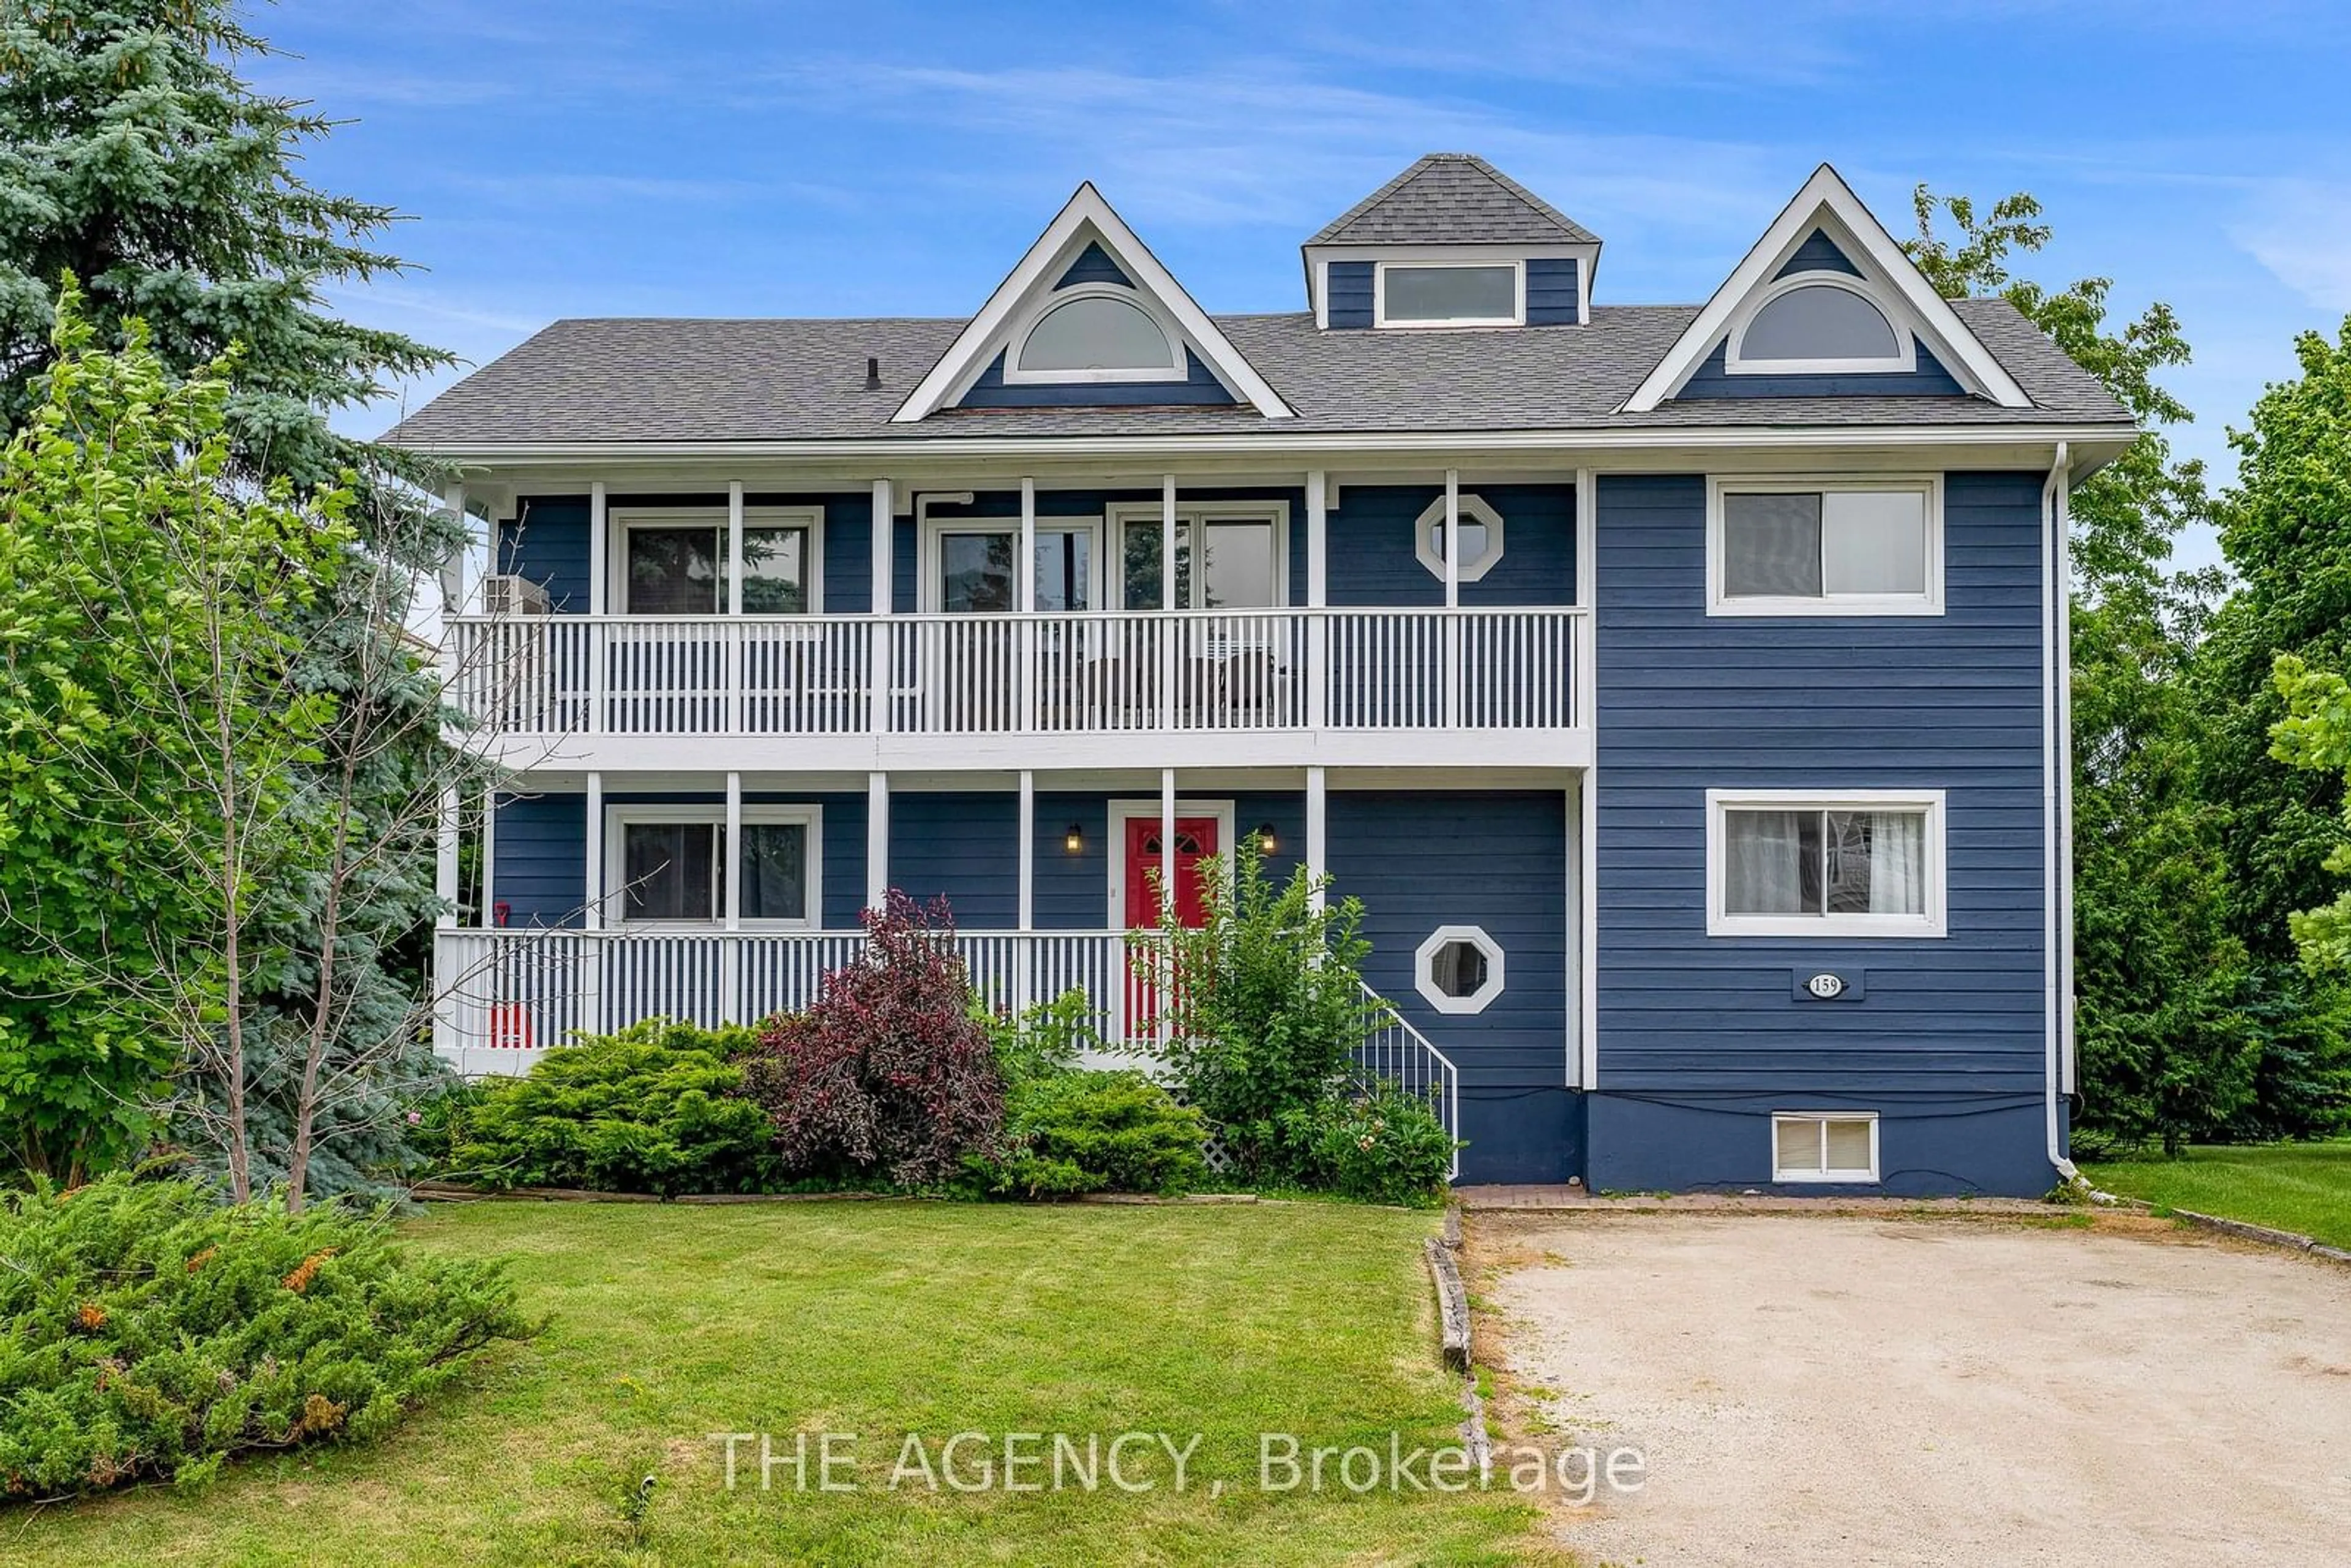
x,y
597,572
1318,835
730,877
593,905
1452,598
453,571
877,840
881,597
598,568
1317,632
734,663
444,877
1167,859
1169,631
1027,850
1024,582
1452,538
489,913
1024,598
1025,956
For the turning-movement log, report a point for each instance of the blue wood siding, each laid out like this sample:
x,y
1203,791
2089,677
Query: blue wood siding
x,y
1704,1027
1817,254
547,541
848,555
963,847
1094,265
1711,379
1199,388
541,871
1554,294
1373,559
1347,294
1495,859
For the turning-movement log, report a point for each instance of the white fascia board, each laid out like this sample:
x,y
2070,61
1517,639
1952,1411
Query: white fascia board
x,y
1086,210
2094,445
1826,194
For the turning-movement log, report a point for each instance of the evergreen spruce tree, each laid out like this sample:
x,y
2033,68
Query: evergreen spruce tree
x,y
134,157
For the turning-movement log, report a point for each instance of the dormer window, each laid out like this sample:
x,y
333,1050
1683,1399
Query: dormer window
x,y
1421,294
1102,334
1819,323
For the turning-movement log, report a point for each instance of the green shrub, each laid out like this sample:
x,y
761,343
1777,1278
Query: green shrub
x,y
1076,1131
1264,1008
653,1108
1376,1145
147,1332
1042,1039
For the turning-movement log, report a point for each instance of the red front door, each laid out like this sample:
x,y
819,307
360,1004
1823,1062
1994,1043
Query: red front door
x,y
1195,841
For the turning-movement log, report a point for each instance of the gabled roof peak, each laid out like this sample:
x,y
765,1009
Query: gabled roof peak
x,y
1452,198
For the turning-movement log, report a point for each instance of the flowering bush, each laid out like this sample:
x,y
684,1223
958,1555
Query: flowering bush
x,y
653,1108
888,1071
147,1331
1377,1144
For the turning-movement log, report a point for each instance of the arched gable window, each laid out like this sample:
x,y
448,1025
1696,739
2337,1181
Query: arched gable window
x,y
1814,323
1101,334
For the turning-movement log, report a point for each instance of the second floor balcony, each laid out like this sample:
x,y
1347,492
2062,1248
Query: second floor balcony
x,y
580,683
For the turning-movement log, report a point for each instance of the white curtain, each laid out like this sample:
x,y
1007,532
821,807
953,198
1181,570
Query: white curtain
x,y
1766,870
1897,862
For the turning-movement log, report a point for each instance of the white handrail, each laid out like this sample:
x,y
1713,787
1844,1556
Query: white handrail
x,y
1397,1052
1090,672
505,995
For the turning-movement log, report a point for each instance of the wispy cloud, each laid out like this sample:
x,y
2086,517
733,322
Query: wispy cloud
x,y
2299,229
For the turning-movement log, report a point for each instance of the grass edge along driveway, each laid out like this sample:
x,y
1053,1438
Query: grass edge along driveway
x,y
672,1323
2301,1187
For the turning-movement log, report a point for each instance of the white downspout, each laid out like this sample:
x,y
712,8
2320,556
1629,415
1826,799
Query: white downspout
x,y
2056,754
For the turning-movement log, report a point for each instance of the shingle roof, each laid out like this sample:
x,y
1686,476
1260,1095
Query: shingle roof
x,y
1452,198
638,380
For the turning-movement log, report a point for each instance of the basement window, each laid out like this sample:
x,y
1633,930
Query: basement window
x,y
1827,1145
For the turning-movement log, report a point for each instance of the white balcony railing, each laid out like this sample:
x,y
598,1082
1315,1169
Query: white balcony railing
x,y
505,995
1081,673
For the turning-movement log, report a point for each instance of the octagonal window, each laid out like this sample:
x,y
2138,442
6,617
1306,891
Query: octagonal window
x,y
1480,527
1458,969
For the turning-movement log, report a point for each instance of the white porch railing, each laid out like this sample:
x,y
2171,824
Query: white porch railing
x,y
1092,672
505,995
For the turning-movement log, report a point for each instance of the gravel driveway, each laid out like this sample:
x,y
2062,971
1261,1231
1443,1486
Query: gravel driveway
x,y
1856,1391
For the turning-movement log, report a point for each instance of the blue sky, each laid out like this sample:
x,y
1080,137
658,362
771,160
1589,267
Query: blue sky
x,y
598,157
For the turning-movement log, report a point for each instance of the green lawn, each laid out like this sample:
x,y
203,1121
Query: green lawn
x,y
2301,1187
672,1323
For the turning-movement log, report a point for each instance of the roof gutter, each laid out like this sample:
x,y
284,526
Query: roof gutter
x,y
2056,754
1094,447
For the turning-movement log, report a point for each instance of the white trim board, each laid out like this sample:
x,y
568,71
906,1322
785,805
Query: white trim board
x,y
1085,218
1827,203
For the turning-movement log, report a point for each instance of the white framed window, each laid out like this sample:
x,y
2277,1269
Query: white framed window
x,y
1824,1145
1093,332
671,865
1812,546
1458,969
968,564
1449,294
1229,555
1481,527
675,560
1817,323
1793,862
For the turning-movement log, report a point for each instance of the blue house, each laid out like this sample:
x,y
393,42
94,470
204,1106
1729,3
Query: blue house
x,y
1681,689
